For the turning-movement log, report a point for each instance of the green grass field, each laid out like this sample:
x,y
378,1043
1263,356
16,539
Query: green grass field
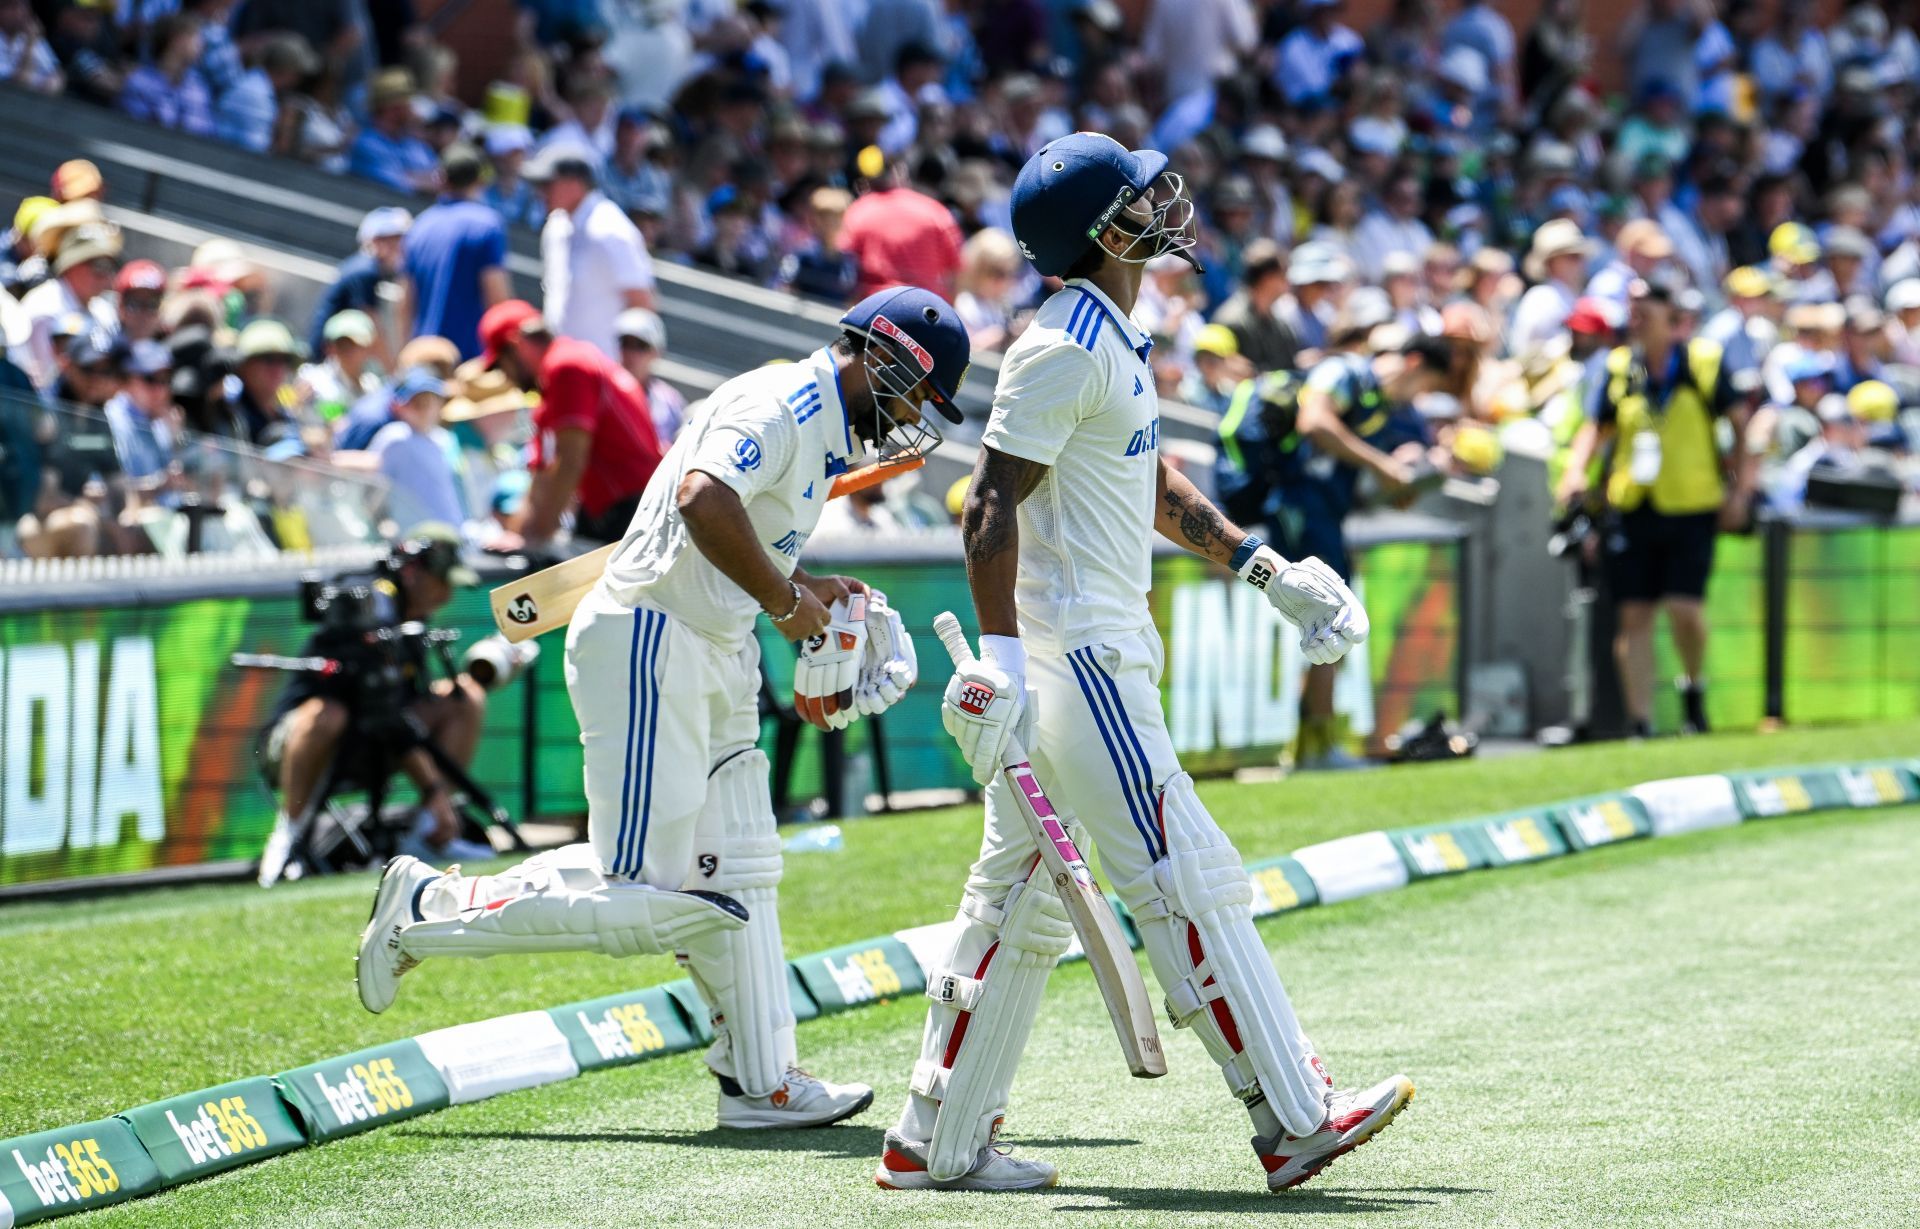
x,y
1712,1030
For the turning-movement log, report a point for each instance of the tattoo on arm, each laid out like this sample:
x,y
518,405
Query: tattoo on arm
x,y
1189,519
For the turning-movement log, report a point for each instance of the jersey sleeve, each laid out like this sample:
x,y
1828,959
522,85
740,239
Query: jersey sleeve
x,y
1040,399
748,445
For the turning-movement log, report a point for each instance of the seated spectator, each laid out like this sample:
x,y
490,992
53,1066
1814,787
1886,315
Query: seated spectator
x,y
643,342
507,192
26,59
388,150
1782,428
989,277
1317,54
1394,227
169,90
1400,278
1169,304
1319,276
145,423
898,236
252,114
630,178
1249,314
221,66
363,420
1218,369
139,288
357,282
1557,264
1641,249
262,399
83,271
87,45
454,260
823,270
344,374
412,453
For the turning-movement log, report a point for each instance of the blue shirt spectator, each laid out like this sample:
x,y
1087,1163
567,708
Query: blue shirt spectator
x,y
363,421
388,149
220,65
172,102
246,114
356,284
1315,55
456,257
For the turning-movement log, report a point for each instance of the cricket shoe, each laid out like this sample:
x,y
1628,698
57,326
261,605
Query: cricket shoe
x,y
903,1167
396,904
802,1100
1353,1118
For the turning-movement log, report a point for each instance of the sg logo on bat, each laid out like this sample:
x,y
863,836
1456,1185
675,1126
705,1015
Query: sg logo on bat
x,y
523,609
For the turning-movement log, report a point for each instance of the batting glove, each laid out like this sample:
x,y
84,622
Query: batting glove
x,y
829,667
890,667
986,705
1308,594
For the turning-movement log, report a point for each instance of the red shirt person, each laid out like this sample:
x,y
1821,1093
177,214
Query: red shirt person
x,y
901,237
594,442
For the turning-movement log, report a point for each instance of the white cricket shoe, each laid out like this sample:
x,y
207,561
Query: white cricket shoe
x,y
903,1167
379,965
1353,1118
802,1101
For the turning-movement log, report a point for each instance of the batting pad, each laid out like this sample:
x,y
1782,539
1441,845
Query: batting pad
x,y
742,974
573,868
619,919
1219,980
985,1002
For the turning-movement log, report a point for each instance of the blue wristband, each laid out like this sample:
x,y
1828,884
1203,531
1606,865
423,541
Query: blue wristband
x,y
1245,552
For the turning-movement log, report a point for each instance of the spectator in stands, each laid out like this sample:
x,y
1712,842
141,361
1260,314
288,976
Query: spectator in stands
x,y
1318,275
989,279
83,271
595,444
1260,336
1218,369
455,260
1657,407
145,423
138,289
388,150
220,63
343,373
1393,227
1641,249
253,113
1557,265
823,269
262,401
507,192
91,368
593,261
22,267
643,343
88,47
357,282
899,236
169,90
363,420
589,129
26,59
411,452
1317,54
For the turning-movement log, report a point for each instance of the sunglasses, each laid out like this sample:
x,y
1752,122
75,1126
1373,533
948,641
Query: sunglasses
x,y
140,303
159,379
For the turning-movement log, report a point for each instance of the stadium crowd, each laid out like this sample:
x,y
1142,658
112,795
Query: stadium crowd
x,y
1441,173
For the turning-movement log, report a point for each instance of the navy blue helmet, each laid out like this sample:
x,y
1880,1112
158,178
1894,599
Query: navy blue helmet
x,y
913,338
1071,191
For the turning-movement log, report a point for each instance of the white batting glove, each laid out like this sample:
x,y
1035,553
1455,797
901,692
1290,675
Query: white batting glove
x,y
1310,596
986,705
890,667
829,667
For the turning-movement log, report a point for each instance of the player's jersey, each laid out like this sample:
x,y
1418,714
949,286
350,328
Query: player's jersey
x,y
777,436
1076,395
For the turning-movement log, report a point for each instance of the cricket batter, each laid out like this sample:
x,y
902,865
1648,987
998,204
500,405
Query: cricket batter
x,y
1058,528
662,668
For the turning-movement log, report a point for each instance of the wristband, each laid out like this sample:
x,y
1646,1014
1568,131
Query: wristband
x,y
1006,652
792,611
1244,552
1259,565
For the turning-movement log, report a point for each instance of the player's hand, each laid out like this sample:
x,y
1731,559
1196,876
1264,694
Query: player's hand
x,y
890,667
809,618
829,665
984,708
829,589
1312,597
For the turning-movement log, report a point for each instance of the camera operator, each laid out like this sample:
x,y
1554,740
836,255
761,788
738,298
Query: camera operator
x,y
317,712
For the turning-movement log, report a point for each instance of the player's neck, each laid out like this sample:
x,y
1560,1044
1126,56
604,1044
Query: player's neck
x,y
1120,282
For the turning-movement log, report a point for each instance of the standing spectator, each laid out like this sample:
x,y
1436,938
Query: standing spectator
x,y
262,403
1666,485
389,150
83,271
1557,265
1394,227
594,441
823,269
341,374
455,260
357,282
84,40
900,237
643,343
138,289
251,114
1196,42
1317,54
26,59
169,91
507,192
593,261
411,452
1249,312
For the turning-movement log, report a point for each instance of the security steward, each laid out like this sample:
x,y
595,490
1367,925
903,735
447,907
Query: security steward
x,y
1671,488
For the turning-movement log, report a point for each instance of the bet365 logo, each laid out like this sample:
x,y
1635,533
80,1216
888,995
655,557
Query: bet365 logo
x,y
523,609
974,698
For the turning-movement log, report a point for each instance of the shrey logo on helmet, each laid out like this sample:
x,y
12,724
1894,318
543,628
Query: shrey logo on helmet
x,y
1121,201
887,327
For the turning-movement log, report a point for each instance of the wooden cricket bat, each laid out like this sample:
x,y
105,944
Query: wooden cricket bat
x,y
1114,969
538,603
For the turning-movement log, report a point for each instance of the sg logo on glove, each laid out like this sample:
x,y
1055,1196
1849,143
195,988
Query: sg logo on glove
x,y
974,698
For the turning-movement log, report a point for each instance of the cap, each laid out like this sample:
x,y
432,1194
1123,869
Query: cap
x,y
923,326
1810,365
1399,264
1589,315
503,322
1833,408
415,381
148,358
77,178
1069,192
1557,237
438,353
504,139
1465,68
91,347
1904,295
1873,401
267,338
1320,162
435,545
462,165
1793,243
140,275
1749,282
1847,241
642,325
1314,264
30,211
1644,235
1217,340
1233,192
351,325
556,159
1372,135
93,241
386,222
1264,141
390,85
69,325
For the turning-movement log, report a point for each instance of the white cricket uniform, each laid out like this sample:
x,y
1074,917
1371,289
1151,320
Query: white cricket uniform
x,y
661,661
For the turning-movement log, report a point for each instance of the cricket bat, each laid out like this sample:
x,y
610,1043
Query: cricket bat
x,y
538,603
1114,969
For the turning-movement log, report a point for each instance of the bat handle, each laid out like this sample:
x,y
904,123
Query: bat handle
x,y
947,627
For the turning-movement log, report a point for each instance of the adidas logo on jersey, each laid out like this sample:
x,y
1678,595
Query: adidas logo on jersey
x,y
1138,387
1145,440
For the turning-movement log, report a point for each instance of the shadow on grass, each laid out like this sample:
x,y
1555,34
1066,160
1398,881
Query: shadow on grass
x,y
840,1140
1255,1201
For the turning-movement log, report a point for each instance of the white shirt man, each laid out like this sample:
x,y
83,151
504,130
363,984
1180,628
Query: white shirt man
x,y
593,266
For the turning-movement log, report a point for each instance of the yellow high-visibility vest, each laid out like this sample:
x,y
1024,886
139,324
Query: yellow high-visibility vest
x,y
1690,479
